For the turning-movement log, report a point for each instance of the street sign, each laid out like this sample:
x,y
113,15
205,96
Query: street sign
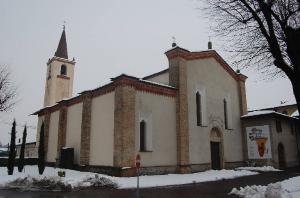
x,y
138,161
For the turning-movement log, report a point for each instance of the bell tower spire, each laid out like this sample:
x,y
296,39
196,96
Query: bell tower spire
x,y
60,74
62,49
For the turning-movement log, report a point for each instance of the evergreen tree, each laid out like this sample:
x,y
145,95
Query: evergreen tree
x,y
12,150
41,159
21,158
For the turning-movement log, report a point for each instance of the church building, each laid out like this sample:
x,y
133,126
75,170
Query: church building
x,y
190,117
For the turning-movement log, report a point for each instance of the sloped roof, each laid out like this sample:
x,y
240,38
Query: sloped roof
x,y
265,112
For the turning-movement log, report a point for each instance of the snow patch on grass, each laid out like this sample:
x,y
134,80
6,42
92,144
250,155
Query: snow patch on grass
x,y
30,179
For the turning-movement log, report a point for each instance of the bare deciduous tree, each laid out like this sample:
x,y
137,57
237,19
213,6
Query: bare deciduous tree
x,y
7,90
261,33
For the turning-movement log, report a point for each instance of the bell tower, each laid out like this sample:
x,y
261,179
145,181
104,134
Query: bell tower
x,y
60,74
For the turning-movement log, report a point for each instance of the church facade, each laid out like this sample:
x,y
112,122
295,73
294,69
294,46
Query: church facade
x,y
186,118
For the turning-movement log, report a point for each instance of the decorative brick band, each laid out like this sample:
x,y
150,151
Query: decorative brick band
x,y
63,77
86,130
62,129
187,55
119,81
61,60
124,126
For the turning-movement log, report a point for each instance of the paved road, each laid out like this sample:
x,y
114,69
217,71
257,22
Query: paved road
x,y
215,189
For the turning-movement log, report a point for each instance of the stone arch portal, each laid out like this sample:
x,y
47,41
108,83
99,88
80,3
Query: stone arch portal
x,y
281,156
216,149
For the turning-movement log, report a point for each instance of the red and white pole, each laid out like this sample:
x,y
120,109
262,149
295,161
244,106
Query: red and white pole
x,y
137,166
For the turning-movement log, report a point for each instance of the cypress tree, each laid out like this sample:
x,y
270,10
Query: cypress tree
x,y
21,158
12,150
41,151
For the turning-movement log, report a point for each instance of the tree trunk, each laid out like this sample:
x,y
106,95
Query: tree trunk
x,y
296,89
22,151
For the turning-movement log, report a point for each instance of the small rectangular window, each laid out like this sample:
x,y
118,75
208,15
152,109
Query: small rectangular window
x,y
198,109
278,126
225,114
143,136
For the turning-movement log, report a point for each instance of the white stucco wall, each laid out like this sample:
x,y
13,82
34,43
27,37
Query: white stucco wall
x,y
286,137
288,140
52,141
73,133
159,112
162,78
209,75
102,130
58,88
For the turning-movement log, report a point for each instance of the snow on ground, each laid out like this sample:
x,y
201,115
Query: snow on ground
x,y
289,188
73,179
3,149
177,179
76,179
260,169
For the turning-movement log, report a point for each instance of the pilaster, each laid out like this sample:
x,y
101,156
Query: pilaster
x,y
178,78
242,97
62,129
124,122
86,130
46,132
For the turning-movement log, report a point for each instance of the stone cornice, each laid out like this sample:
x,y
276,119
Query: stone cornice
x,y
72,62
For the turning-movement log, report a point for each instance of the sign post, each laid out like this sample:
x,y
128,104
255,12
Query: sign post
x,y
138,165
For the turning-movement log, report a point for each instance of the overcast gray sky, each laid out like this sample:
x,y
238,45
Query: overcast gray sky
x,y
107,38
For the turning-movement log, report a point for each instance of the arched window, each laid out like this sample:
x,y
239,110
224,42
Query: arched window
x,y
63,70
142,135
198,109
225,114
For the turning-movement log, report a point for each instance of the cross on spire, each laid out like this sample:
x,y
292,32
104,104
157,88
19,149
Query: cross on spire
x,y
174,41
64,25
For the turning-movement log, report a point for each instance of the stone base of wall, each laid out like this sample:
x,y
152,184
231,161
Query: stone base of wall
x,y
27,161
183,169
108,170
158,170
262,162
51,164
200,167
292,163
233,165
161,170
127,172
